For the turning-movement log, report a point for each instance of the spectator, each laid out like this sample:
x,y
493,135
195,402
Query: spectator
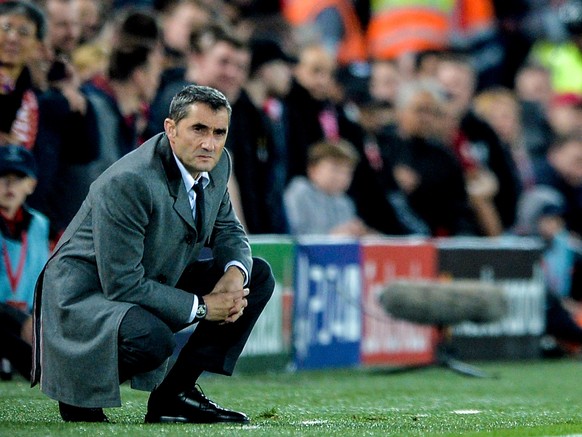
x,y
22,28
376,103
475,138
121,100
318,203
378,121
533,84
426,64
533,88
562,170
67,137
385,78
565,114
253,148
54,68
426,172
501,109
25,247
313,115
63,25
178,19
269,83
91,18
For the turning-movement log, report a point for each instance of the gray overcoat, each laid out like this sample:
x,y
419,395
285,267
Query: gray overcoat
x,y
128,245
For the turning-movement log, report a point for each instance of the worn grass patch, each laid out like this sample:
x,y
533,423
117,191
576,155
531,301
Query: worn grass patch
x,y
540,398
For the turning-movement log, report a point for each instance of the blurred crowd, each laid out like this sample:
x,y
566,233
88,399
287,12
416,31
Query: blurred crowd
x,y
350,117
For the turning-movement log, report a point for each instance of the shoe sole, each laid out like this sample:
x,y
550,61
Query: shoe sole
x,y
182,419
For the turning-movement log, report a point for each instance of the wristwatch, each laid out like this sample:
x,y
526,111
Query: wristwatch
x,y
201,310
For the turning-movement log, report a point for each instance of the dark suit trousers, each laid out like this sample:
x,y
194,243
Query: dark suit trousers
x,y
145,341
12,346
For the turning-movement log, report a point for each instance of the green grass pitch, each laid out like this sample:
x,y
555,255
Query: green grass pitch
x,y
538,398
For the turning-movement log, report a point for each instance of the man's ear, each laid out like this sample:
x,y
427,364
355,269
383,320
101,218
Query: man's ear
x,y
170,127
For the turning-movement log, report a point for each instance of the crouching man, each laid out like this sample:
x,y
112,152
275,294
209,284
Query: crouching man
x,y
126,276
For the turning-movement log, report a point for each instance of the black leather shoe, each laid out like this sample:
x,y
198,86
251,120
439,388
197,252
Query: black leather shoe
x,y
189,407
70,413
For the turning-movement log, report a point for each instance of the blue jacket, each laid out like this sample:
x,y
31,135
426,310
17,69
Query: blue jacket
x,y
37,253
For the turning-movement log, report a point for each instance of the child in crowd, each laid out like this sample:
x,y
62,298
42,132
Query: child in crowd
x,y
318,203
539,213
24,241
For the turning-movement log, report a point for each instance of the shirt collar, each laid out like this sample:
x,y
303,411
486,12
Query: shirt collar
x,y
187,178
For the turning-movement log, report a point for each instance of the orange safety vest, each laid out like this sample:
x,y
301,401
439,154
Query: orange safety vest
x,y
403,26
397,27
473,17
353,46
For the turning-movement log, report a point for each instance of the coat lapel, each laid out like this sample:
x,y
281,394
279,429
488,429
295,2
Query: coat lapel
x,y
175,183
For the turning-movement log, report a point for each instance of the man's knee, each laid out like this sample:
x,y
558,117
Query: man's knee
x,y
262,276
145,341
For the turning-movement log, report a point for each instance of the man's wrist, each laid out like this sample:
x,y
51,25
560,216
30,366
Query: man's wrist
x,y
242,272
240,269
202,310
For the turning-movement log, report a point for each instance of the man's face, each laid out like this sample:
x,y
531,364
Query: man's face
x,y
459,82
384,81
567,160
198,139
64,25
418,118
277,76
14,189
180,21
224,67
534,85
18,43
89,19
315,72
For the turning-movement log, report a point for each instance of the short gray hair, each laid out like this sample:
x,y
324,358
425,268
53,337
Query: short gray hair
x,y
191,94
408,90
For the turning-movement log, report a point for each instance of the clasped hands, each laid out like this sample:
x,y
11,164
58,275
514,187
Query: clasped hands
x,y
227,301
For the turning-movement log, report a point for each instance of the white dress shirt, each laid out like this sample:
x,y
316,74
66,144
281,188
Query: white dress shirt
x,y
189,183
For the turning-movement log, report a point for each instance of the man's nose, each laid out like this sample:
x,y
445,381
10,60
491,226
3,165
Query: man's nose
x,y
209,143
